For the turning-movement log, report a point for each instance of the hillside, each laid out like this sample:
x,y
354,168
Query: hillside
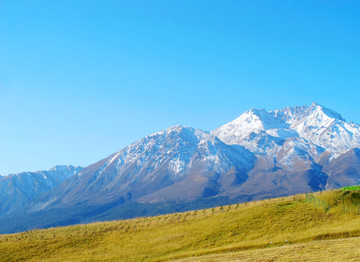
x,y
259,155
286,228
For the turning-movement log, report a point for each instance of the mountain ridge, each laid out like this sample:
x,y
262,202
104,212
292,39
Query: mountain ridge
x,y
320,126
163,159
17,190
260,154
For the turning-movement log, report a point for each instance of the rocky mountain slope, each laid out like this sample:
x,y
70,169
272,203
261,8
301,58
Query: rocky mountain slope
x,y
305,144
18,190
260,154
177,164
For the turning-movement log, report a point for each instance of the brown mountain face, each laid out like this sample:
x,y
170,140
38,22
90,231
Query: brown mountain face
x,y
343,170
271,179
180,164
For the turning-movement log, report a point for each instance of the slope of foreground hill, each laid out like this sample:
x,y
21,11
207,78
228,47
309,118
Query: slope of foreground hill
x,y
325,227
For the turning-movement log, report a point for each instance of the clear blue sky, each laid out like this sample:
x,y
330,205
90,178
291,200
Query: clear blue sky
x,y
80,80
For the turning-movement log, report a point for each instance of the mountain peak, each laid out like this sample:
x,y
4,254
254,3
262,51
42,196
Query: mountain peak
x,y
184,132
176,129
315,110
327,111
316,124
64,168
257,111
315,104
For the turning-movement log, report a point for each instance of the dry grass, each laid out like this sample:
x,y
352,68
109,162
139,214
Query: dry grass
x,y
321,250
281,228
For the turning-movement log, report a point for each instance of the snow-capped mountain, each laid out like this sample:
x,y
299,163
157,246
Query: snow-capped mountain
x,y
305,138
179,163
318,128
17,190
260,154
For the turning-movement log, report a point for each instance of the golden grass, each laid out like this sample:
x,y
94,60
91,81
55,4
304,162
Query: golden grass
x,y
259,229
321,250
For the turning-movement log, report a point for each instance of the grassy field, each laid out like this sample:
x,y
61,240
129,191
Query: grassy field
x,y
321,250
285,229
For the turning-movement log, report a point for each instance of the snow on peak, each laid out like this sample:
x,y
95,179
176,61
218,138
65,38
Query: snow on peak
x,y
256,129
173,149
291,114
317,124
64,168
327,111
259,119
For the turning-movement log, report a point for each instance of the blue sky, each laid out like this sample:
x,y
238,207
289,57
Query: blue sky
x,y
80,80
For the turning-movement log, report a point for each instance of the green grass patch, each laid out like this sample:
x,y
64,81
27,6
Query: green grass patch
x,y
351,188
